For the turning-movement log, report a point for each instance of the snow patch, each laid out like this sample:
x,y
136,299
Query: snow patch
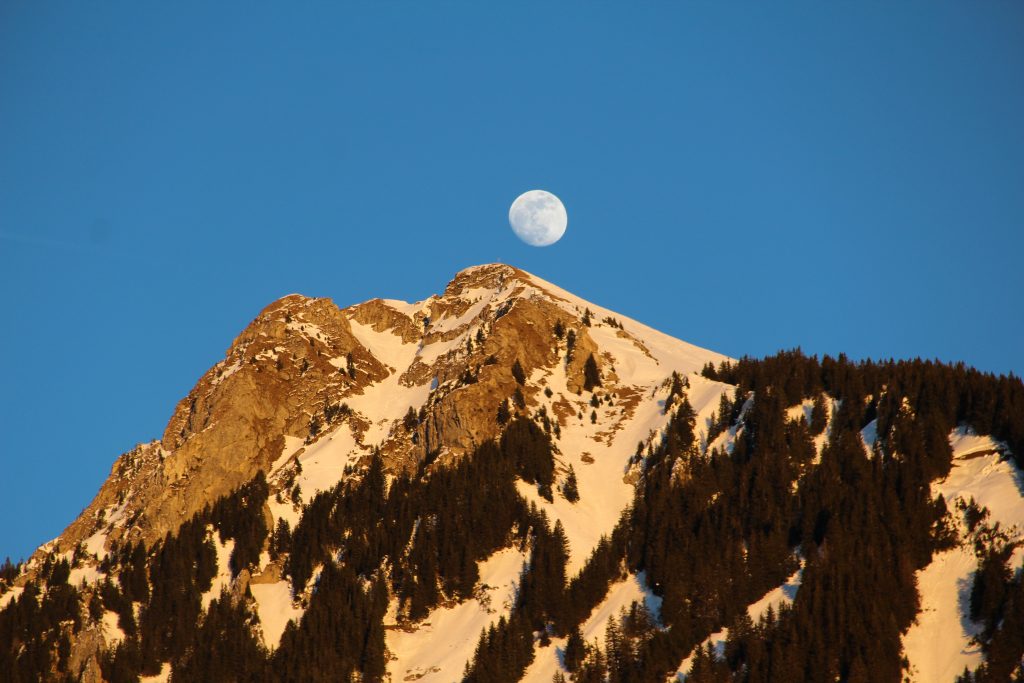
x,y
84,572
223,578
162,677
10,595
323,463
275,609
386,401
439,647
112,633
869,435
94,545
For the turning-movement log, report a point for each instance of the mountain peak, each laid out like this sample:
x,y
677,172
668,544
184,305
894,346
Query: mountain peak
x,y
487,276
501,405
307,383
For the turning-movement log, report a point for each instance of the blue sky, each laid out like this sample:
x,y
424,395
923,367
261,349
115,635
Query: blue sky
x,y
844,177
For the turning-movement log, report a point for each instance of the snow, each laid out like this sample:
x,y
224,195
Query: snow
x,y
993,481
162,677
84,572
223,578
286,511
428,354
726,441
965,442
291,444
480,297
776,597
938,645
306,328
667,350
869,435
323,466
819,441
94,545
10,595
114,513
387,347
386,402
439,647
801,410
275,609
226,371
323,463
112,633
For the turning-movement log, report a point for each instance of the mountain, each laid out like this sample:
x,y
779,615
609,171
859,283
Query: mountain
x,y
505,482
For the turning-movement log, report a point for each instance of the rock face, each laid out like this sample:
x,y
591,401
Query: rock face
x,y
290,362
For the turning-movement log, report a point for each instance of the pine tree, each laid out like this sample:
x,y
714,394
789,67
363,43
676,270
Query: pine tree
x,y
281,542
571,490
518,373
591,375
575,650
819,415
518,399
504,414
410,421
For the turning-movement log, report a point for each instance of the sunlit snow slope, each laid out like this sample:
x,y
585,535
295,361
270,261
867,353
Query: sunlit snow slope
x,y
939,645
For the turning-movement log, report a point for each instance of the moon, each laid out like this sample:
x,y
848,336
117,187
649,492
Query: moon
x,y
538,218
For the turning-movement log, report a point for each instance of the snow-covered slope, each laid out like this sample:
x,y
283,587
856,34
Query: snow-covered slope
x,y
939,645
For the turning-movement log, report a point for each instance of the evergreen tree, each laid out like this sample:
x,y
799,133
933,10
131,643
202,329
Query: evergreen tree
x,y
571,490
518,399
819,415
504,414
591,375
518,373
575,650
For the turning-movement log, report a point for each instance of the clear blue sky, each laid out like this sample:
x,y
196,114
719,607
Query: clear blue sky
x,y
846,177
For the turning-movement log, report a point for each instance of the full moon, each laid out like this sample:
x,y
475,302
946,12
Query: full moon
x,y
538,218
